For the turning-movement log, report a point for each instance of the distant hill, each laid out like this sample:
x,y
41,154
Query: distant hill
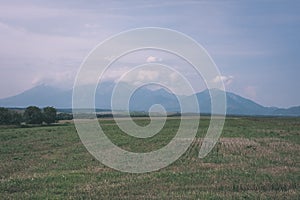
x,y
292,111
41,96
142,100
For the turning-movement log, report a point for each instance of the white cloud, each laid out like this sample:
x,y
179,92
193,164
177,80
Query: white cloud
x,y
147,75
114,73
174,77
160,76
250,92
153,59
227,80
63,79
39,58
141,76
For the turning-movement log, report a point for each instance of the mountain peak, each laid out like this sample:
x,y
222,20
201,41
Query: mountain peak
x,y
46,95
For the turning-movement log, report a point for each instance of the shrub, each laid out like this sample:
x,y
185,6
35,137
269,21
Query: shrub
x,y
49,115
33,115
9,117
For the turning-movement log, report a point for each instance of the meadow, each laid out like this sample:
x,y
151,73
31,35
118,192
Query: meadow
x,y
255,158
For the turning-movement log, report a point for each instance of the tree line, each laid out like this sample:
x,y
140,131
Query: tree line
x,y
31,115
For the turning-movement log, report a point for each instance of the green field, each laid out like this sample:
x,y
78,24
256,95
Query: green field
x,y
255,158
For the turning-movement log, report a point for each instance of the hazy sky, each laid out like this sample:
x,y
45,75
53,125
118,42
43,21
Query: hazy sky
x,y
255,44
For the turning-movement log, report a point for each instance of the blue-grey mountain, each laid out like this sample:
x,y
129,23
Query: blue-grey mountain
x,y
142,99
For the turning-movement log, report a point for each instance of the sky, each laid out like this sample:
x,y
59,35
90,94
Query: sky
x,y
255,44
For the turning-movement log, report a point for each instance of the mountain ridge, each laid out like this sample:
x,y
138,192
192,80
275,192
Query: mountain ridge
x,y
142,99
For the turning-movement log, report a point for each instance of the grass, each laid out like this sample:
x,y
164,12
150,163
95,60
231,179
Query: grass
x,y
255,158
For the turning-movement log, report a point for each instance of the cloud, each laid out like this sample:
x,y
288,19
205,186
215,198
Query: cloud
x,y
227,80
141,76
153,59
30,11
62,79
159,76
147,75
21,43
114,73
250,92
91,25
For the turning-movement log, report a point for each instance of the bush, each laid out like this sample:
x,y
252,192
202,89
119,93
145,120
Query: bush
x,y
16,118
49,115
33,115
64,116
9,117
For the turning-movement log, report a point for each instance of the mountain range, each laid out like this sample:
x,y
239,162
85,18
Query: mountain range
x,y
142,99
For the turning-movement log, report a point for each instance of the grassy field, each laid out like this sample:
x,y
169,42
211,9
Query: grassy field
x,y
256,158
